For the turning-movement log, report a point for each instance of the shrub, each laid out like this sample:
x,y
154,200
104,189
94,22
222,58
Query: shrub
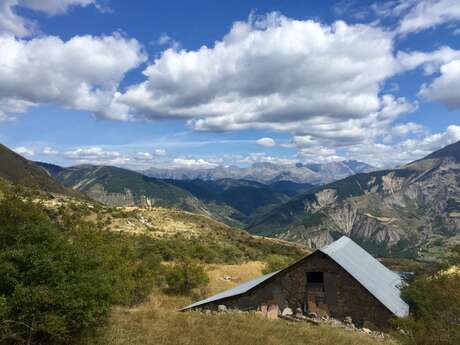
x,y
275,263
185,276
53,289
435,308
57,285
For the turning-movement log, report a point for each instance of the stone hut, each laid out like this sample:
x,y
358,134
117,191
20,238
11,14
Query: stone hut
x,y
339,280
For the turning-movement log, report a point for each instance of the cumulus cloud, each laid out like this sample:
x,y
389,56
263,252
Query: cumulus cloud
x,y
424,14
12,23
192,163
262,157
159,152
81,73
49,151
319,154
445,88
24,151
405,151
166,40
267,142
91,152
143,156
430,61
271,72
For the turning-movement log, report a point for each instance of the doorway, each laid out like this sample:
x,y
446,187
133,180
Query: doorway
x,y
316,297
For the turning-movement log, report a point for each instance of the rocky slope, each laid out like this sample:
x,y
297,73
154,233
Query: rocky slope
x,y
268,172
412,211
120,187
229,200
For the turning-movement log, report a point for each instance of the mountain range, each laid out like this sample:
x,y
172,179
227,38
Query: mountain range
x,y
229,200
267,172
412,211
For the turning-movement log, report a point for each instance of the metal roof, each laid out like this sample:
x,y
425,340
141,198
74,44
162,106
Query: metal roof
x,y
374,276
237,290
382,283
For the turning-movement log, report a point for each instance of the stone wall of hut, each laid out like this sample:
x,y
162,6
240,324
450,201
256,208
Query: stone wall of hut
x,y
344,295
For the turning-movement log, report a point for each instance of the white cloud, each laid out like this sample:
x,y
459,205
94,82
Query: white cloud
x,y
49,151
319,154
12,23
404,151
262,157
275,73
404,129
192,163
430,61
24,151
159,152
166,40
424,14
82,73
267,142
91,154
143,156
53,7
445,88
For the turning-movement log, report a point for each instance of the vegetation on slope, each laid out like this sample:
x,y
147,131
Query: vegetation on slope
x,y
59,280
434,298
158,322
16,169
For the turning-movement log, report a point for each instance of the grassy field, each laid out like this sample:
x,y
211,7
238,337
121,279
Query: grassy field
x,y
158,322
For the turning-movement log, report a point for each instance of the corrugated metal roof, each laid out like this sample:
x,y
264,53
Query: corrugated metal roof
x,y
375,277
237,290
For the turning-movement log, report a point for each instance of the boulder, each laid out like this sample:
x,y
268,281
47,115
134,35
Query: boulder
x,y
221,308
287,312
348,320
312,315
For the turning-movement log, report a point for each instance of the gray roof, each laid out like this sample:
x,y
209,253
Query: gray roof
x,y
375,277
237,290
382,283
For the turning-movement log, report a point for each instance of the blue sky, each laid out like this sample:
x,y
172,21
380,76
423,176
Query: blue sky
x,y
205,83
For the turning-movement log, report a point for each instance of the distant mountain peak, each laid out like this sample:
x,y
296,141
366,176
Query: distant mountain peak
x,y
268,172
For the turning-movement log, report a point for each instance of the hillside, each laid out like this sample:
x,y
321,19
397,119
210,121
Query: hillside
x,y
16,169
236,199
412,211
230,200
121,187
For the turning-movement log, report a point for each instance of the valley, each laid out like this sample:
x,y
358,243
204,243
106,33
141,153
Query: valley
x,y
409,212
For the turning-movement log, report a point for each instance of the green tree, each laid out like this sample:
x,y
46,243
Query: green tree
x,y
52,288
185,276
275,263
434,299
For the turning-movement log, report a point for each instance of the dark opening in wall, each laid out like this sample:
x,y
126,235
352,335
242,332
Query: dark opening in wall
x,y
315,277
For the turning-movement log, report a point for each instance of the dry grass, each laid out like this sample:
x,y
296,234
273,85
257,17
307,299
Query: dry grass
x,y
237,274
159,323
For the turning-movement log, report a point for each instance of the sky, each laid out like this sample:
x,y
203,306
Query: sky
x,y
197,84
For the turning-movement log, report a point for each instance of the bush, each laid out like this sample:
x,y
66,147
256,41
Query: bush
x,y
185,276
53,289
56,285
435,308
275,263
